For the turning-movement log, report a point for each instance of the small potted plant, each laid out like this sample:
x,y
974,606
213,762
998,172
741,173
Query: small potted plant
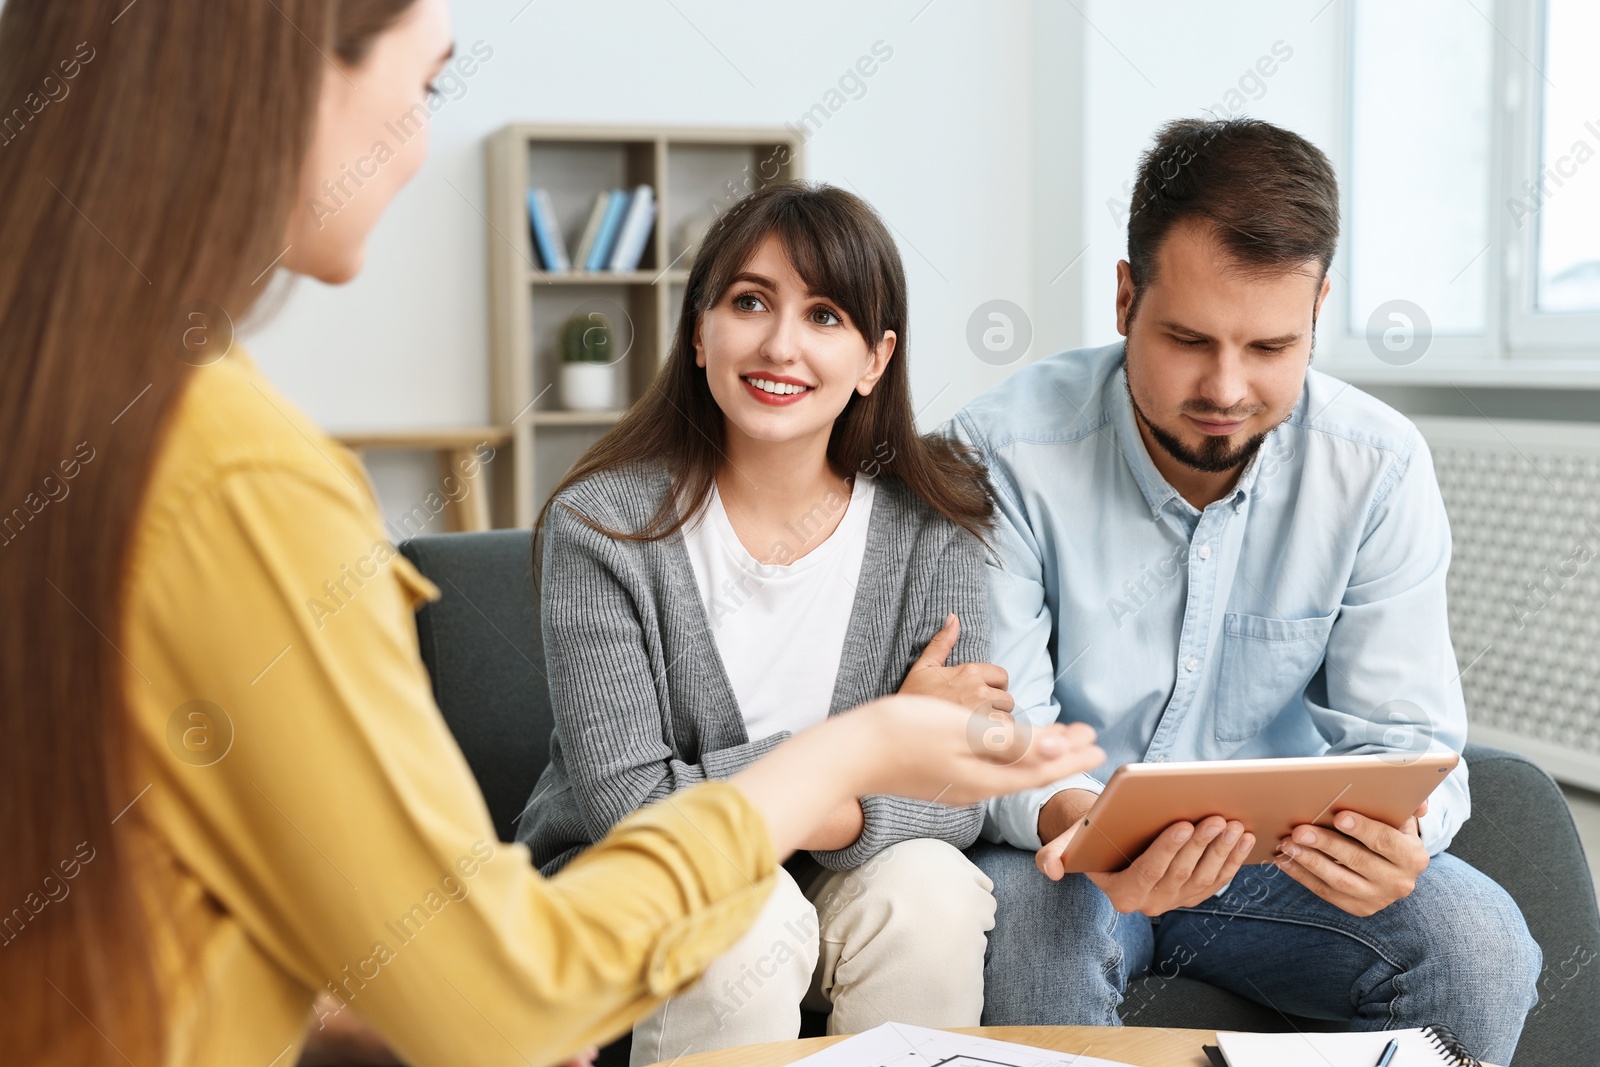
x,y
588,376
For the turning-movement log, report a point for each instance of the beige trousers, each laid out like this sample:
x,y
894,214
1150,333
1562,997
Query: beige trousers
x,y
900,938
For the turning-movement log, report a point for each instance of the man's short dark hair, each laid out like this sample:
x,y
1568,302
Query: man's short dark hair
x,y
1270,196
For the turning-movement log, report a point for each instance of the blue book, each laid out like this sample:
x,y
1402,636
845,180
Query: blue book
x,y
600,254
635,230
546,234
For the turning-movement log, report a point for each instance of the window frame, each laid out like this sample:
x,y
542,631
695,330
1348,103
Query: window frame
x,y
1519,346
1533,333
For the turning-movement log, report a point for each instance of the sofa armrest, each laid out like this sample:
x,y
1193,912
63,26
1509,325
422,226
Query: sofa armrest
x,y
1522,835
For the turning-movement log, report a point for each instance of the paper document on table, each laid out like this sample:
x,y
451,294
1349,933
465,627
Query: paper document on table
x,y
1418,1048
902,1045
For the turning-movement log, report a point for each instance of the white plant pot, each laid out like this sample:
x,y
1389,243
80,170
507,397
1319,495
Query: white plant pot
x,y
589,387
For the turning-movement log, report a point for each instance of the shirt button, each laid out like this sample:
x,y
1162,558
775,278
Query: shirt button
x,y
1205,551
1190,664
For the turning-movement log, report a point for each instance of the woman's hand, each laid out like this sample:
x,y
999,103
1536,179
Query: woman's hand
x,y
909,746
975,686
927,749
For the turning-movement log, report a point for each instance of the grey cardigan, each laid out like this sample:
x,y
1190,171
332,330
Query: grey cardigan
x,y
642,703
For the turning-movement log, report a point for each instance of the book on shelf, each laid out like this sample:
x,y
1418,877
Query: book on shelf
x,y
635,232
606,238
546,231
591,231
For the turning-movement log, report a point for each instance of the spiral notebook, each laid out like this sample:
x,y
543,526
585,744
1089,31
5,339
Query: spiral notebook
x,y
1431,1046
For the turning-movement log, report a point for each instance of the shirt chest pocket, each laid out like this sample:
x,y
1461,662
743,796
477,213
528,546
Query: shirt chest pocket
x,y
1266,664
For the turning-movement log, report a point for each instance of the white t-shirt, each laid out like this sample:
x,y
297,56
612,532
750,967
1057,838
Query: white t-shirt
x,y
780,628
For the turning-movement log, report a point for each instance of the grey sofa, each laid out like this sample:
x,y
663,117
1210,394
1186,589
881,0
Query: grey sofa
x,y
482,646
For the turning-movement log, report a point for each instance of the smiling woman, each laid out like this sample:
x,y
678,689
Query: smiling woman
x,y
775,470
835,253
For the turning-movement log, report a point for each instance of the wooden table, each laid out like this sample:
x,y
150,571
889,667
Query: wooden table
x,y
1141,1046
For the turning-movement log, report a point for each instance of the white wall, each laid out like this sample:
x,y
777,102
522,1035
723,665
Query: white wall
x,y
998,142
941,143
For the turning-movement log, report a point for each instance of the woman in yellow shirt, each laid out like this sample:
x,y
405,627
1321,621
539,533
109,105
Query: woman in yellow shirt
x,y
217,804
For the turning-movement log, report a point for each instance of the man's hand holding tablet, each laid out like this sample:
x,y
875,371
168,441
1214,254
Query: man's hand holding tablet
x,y
1186,864
1162,841
1361,866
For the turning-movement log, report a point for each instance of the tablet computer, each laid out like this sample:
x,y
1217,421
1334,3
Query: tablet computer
x,y
1270,796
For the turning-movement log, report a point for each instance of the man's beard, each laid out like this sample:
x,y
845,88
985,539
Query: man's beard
x,y
1213,457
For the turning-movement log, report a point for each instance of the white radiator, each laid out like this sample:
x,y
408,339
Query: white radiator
x,y
1524,503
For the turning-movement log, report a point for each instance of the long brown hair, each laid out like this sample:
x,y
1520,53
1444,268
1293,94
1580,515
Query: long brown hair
x,y
841,248
149,160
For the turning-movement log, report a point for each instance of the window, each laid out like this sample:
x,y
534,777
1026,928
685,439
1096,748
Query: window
x,y
1472,192
1563,199
1417,180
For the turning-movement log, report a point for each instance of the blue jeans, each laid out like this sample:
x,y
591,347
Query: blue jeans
x,y
1456,951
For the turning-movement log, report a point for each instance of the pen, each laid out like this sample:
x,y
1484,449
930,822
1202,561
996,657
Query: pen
x,y
1388,1053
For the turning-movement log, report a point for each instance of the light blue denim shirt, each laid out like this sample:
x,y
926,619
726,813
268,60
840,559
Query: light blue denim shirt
x,y
1301,614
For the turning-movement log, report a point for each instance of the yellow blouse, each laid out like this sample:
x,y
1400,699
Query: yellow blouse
x,y
310,823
